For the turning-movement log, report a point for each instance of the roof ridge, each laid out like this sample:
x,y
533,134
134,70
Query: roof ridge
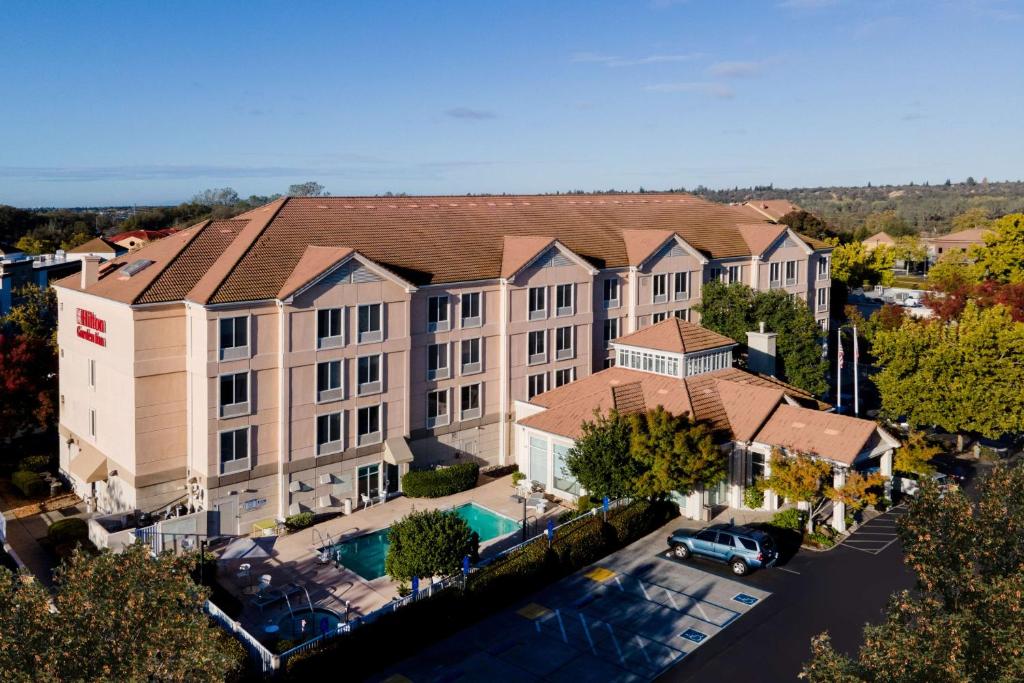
x,y
196,230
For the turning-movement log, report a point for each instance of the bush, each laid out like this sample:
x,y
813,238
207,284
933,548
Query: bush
x,y
441,482
821,539
753,496
70,530
790,518
30,484
299,521
428,543
499,471
517,477
35,463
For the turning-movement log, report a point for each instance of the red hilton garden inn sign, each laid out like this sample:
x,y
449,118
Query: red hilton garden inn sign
x,y
90,327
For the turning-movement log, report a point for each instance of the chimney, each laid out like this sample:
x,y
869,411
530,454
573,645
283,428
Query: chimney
x,y
90,270
761,351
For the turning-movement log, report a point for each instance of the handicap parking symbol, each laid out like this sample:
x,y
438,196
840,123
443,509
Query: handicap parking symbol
x,y
745,599
693,635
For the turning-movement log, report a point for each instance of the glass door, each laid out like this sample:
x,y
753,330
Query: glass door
x,y
369,481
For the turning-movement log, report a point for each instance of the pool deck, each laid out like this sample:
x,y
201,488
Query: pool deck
x,y
295,558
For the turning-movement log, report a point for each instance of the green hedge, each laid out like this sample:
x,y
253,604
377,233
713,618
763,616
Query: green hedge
x,y
299,521
440,482
488,590
69,530
35,463
30,484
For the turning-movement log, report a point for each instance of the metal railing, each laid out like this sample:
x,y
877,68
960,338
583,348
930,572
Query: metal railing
x,y
267,659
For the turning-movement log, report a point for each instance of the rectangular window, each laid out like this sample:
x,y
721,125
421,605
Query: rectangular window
x,y
659,288
471,316
774,275
539,459
658,317
564,300
538,303
92,423
714,274
563,343
92,373
470,349
823,267
234,451
681,286
328,381
368,377
823,299
564,376
370,329
328,434
611,331
234,394
823,324
437,314
611,293
757,462
328,328
437,361
437,408
734,274
234,338
608,363
563,479
682,314
536,384
470,402
537,348
368,425
791,273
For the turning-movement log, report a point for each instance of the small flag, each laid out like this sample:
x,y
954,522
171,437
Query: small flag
x,y
840,354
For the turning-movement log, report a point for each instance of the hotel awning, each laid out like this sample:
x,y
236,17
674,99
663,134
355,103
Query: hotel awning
x,y
89,466
396,451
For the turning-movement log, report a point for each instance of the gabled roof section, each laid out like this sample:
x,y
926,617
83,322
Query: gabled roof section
x,y
747,406
772,209
972,235
761,236
880,238
319,262
676,336
839,438
641,245
98,245
520,252
629,398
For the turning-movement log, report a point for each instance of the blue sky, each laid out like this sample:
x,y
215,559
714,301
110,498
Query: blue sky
x,y
144,102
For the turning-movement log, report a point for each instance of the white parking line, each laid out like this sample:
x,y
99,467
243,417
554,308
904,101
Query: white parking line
x,y
783,569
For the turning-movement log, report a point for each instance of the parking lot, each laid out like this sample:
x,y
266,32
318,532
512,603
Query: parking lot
x,y
875,536
629,618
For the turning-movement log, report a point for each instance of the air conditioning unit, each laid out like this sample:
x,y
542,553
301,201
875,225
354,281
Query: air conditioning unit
x,y
325,502
295,486
326,478
294,509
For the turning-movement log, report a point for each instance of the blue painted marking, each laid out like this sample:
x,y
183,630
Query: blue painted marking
x,y
693,635
584,601
745,599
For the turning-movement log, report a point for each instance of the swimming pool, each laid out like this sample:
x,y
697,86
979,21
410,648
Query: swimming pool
x,y
301,626
365,554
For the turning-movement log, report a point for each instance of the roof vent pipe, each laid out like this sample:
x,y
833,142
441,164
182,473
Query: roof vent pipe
x,y
761,325
90,270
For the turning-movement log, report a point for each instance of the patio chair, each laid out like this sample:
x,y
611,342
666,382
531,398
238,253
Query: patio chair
x,y
537,501
367,501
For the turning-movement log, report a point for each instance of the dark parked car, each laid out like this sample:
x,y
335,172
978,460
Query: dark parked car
x,y
740,547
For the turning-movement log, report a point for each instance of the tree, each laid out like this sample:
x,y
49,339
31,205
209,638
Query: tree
x,y
975,217
115,617
428,543
858,491
1002,257
965,619
34,314
28,384
806,223
31,244
674,454
963,376
909,249
600,459
799,477
855,265
307,189
888,221
916,455
222,196
735,309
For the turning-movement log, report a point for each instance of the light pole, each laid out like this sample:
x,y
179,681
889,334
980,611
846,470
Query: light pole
x,y
839,371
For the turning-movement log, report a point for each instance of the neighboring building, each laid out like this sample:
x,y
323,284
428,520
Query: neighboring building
x,y
307,353
18,270
100,247
954,242
772,209
688,369
880,239
135,239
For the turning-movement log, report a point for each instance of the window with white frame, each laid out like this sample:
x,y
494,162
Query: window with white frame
x,y
659,288
775,275
823,267
538,303
611,331
791,272
328,381
471,316
234,337
437,361
564,376
234,394
823,324
563,343
368,425
437,314
714,274
234,450
708,362
370,327
469,402
536,384
658,317
681,286
470,350
368,375
823,299
537,348
608,363
757,467
659,363
328,434
734,274
682,314
611,292
328,328
437,408
565,299
539,459
563,479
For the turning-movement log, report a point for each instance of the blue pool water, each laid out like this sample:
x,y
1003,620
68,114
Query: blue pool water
x,y
365,554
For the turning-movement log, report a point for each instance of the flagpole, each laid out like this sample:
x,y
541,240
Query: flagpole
x,y
856,382
839,370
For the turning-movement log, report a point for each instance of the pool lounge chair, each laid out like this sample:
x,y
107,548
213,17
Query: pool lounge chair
x,y
537,501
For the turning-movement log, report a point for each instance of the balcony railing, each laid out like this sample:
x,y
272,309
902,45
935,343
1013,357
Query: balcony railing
x,y
611,303
234,409
437,421
332,342
233,466
328,447
367,388
790,281
438,326
682,295
660,298
438,373
538,358
324,395
471,413
368,439
564,354
472,321
234,352
775,284
539,314
369,336
472,368
563,311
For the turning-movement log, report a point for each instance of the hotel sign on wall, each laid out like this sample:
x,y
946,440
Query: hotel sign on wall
x,y
90,327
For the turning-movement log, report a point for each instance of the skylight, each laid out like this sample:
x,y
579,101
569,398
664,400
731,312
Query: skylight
x,y
135,267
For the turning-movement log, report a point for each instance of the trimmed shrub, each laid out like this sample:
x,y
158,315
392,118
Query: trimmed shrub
x,y
791,519
299,521
35,463
70,530
753,496
499,471
30,484
441,482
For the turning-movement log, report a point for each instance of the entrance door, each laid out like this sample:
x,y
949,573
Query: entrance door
x,y
390,478
369,481
717,495
227,516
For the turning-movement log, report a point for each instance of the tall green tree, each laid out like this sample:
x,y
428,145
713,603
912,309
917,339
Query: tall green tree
x,y
1002,257
964,622
115,617
674,454
428,543
963,376
975,217
34,315
806,223
307,189
801,478
855,265
735,309
600,460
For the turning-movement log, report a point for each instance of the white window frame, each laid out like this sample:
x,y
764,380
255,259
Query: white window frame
x,y
733,274
612,283
563,308
331,393
682,314
440,352
438,419
439,304
824,267
474,412
235,408
567,352
369,438
684,293
540,356
715,274
328,446
775,275
822,299
235,465
790,281
538,313
472,320
659,288
658,317
235,351
369,336
543,377
610,335
370,387
472,367
330,341
561,372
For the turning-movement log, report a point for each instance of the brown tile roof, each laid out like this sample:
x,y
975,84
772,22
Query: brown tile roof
x,y
313,263
760,237
641,244
97,245
676,336
879,238
747,406
973,235
629,398
772,208
517,251
828,435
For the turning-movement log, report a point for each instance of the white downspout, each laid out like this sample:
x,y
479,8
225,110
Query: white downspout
x,y
503,373
283,426
634,297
